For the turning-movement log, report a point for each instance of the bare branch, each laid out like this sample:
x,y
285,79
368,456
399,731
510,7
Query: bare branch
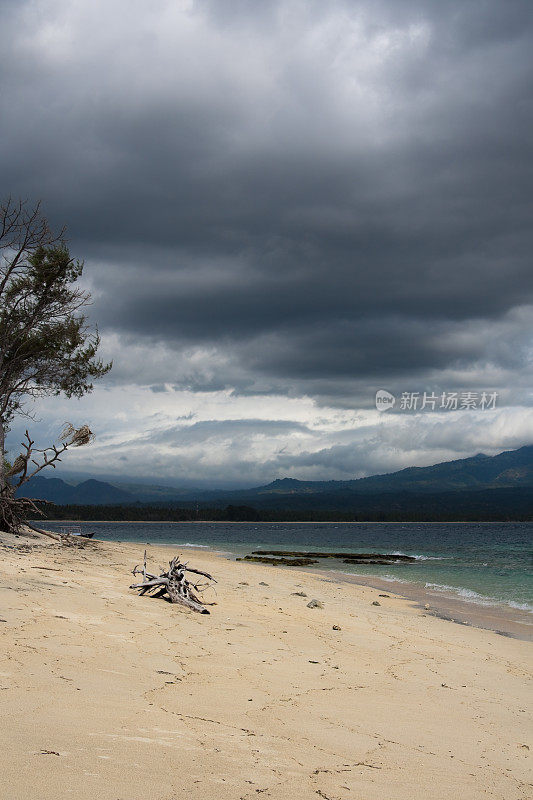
x,y
174,584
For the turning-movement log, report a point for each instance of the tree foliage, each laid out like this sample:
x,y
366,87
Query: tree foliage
x,y
46,344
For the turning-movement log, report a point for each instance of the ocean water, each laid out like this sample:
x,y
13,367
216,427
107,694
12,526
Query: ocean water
x,y
483,563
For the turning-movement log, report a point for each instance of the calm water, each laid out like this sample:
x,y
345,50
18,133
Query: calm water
x,y
479,562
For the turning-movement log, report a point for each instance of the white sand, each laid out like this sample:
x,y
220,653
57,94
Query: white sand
x,y
136,698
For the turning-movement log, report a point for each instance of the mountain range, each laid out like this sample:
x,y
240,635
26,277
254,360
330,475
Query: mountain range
x,y
508,470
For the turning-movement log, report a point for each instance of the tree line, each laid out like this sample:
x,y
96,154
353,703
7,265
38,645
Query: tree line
x,y
513,505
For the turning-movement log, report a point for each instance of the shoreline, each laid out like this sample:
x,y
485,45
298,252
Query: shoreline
x,y
498,618
494,616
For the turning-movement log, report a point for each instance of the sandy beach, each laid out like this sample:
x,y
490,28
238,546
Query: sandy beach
x,y
113,696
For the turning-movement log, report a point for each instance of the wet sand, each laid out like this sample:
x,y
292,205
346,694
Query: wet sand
x,y
503,620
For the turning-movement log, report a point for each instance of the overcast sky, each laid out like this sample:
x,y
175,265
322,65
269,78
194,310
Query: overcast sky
x,y
283,207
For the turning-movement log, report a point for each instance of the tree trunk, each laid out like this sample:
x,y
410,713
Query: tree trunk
x,y
5,494
13,510
2,455
175,591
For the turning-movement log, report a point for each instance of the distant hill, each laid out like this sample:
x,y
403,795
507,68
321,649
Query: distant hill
x,y
509,470
153,493
90,492
513,468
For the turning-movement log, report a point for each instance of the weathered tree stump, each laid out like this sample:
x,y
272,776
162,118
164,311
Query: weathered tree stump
x,y
174,585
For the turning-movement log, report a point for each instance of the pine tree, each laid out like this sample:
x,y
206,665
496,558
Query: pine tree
x,y
46,344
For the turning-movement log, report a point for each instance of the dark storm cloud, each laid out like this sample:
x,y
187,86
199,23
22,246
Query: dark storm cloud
x,y
314,192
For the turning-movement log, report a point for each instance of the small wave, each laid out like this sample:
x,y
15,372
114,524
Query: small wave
x,y
466,594
191,544
420,557
470,596
392,579
388,578
521,606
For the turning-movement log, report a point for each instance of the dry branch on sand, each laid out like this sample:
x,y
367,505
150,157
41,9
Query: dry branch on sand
x,y
174,584
15,511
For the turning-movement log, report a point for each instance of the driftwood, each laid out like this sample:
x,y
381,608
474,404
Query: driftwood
x,y
174,584
63,538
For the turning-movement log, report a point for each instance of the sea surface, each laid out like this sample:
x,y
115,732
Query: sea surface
x,y
487,564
